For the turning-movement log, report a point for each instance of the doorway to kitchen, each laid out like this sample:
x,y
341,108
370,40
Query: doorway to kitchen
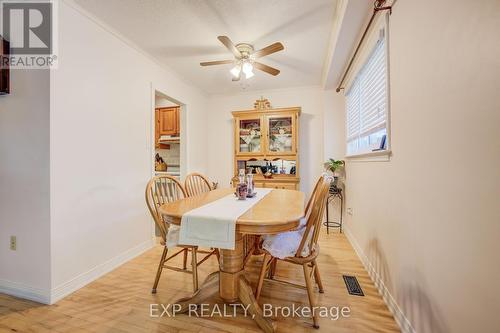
x,y
168,136
168,140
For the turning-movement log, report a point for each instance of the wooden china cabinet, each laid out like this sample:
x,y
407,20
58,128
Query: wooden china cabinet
x,y
266,143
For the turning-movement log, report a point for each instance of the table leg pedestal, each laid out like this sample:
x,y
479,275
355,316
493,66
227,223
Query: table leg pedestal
x,y
248,300
209,288
231,267
232,287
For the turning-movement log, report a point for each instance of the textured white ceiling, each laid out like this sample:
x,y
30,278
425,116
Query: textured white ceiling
x,y
181,33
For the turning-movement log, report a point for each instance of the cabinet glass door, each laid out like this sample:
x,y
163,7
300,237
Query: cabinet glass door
x,y
281,138
249,136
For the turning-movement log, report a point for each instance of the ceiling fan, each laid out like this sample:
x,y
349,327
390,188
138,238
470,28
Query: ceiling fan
x,y
245,56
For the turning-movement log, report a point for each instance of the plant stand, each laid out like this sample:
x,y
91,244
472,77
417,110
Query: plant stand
x,y
334,195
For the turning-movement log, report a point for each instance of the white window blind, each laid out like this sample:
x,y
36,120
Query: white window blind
x,y
366,103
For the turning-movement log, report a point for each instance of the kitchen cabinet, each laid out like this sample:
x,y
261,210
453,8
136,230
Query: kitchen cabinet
x,y
167,122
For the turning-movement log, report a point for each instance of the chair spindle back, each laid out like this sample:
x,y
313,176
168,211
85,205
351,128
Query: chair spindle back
x,y
161,190
313,194
316,207
196,184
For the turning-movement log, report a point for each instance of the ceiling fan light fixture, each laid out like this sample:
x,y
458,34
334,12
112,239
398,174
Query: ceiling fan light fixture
x,y
247,67
235,71
245,58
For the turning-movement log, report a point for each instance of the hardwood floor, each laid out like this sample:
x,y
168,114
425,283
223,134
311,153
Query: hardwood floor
x,y
120,301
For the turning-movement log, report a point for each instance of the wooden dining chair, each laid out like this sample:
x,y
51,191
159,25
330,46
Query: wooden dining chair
x,y
253,243
299,246
303,222
161,190
196,183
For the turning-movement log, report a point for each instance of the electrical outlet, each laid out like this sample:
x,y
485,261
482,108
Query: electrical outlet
x,y
13,243
349,211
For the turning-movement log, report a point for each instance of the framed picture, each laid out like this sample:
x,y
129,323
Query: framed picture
x,y
4,68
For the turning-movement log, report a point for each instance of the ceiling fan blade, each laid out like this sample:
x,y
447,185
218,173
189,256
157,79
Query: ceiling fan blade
x,y
266,68
217,62
268,50
230,46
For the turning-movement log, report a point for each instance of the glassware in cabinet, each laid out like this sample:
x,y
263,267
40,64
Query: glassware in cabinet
x,y
249,140
281,136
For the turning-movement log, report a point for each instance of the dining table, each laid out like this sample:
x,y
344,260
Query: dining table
x,y
278,211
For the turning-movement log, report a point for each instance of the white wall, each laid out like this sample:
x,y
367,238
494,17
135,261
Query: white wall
x,y
428,220
333,125
101,148
162,102
24,185
220,125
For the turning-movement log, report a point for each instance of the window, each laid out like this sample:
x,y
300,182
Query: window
x,y
366,104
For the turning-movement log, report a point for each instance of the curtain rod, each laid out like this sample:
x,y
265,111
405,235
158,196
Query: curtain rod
x,y
378,5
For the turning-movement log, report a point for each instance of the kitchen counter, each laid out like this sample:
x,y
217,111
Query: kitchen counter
x,y
175,174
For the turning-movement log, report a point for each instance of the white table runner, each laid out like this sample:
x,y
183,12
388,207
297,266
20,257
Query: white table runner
x,y
214,224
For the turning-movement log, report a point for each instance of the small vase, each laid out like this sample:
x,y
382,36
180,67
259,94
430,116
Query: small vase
x,y
242,191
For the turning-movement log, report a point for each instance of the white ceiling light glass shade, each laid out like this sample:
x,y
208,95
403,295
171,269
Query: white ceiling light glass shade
x,y
236,70
247,69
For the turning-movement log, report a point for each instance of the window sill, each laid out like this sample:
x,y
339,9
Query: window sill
x,y
371,156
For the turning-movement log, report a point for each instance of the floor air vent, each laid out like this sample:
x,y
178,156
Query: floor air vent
x,y
352,285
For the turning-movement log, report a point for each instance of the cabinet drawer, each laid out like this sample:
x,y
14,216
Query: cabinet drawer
x,y
260,184
284,186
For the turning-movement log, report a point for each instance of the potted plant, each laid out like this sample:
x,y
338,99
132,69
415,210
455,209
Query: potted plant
x,y
335,167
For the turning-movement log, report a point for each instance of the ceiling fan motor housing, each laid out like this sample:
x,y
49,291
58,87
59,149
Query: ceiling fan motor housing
x,y
245,49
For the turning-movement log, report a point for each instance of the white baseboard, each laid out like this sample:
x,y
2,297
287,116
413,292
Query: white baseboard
x,y
23,291
83,279
403,322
